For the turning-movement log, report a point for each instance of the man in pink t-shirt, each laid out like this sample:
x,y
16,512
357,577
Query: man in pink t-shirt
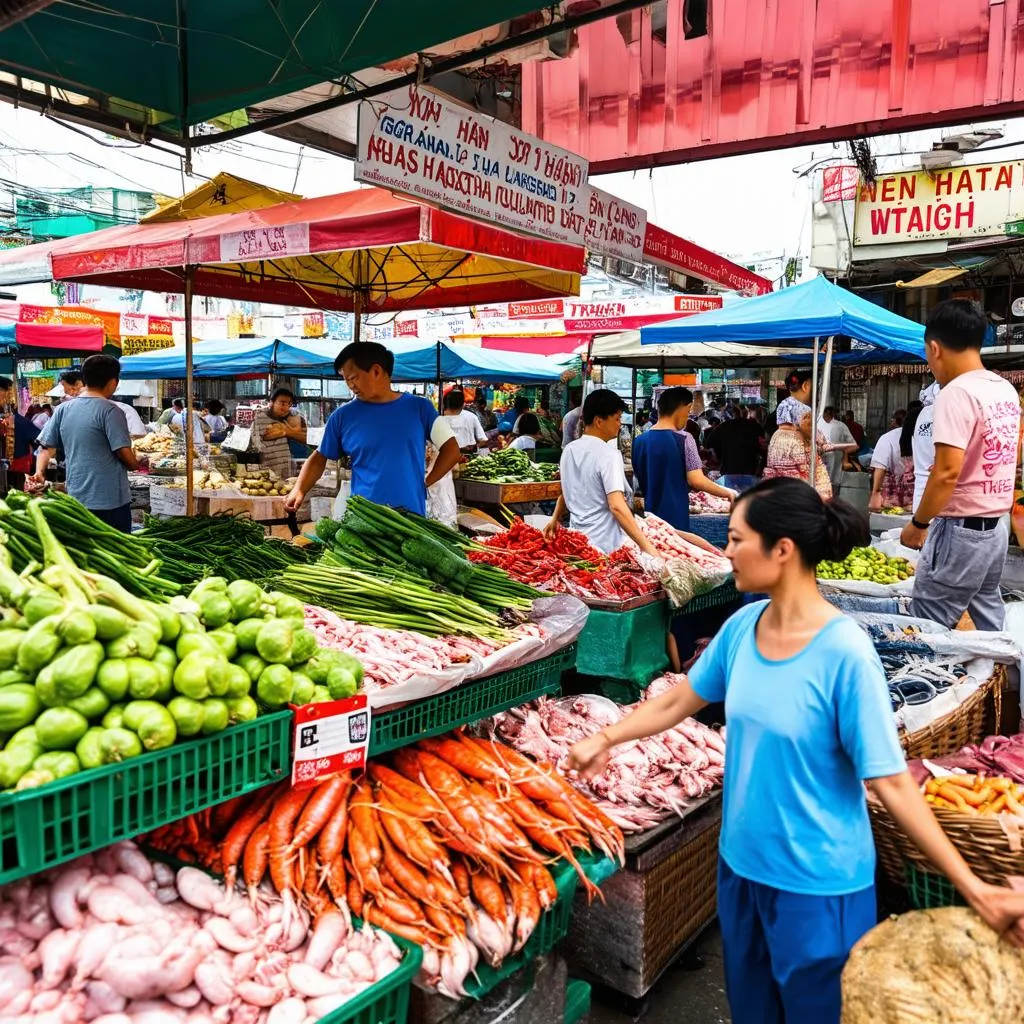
x,y
960,519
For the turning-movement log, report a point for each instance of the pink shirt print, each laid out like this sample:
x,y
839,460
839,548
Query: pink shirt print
x,y
979,412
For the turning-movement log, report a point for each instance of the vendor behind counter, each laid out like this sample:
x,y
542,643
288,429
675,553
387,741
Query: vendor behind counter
x,y
275,428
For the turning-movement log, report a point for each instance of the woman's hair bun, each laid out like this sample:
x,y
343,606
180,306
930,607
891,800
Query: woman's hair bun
x,y
846,528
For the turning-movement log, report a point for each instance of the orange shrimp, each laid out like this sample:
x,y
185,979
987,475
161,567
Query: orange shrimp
x,y
411,836
452,789
317,902
364,859
446,923
355,897
460,875
526,907
363,816
540,878
426,889
331,842
286,809
254,861
239,833
319,809
501,821
464,758
377,917
490,896
416,801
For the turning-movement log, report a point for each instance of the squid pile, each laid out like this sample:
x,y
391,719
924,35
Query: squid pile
x,y
645,781
448,843
113,938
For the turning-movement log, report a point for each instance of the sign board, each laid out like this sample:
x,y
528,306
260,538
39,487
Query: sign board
x,y
839,184
264,243
330,737
417,142
959,202
675,253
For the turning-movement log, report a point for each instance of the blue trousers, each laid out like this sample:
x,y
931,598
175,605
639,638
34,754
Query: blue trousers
x,y
784,953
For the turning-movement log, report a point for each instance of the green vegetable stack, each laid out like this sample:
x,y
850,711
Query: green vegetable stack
x,y
508,466
92,675
867,564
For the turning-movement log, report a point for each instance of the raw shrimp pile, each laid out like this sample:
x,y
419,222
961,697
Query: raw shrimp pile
x,y
646,781
445,843
112,938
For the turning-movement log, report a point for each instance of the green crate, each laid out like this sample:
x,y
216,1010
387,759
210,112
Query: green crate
x,y
719,597
552,927
54,823
929,891
577,1001
627,646
479,698
386,1002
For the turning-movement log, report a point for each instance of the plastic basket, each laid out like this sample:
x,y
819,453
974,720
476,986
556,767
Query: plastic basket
x,y
386,1002
713,528
64,819
479,698
577,1001
552,927
929,891
724,595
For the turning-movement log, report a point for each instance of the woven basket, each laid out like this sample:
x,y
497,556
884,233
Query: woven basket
x,y
976,718
980,840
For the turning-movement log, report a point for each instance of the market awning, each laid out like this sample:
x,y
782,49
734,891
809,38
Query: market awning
x,y
540,345
229,357
143,61
391,252
50,340
794,318
933,278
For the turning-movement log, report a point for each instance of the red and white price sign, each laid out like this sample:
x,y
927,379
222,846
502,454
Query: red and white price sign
x,y
330,737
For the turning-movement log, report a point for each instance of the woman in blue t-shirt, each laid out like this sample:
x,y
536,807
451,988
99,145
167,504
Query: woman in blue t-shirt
x,y
809,722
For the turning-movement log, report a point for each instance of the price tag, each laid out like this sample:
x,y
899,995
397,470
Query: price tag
x,y
330,737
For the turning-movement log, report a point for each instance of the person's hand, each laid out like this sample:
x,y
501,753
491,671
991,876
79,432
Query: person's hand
x,y
912,537
875,502
36,481
1002,909
274,431
296,496
590,756
733,495
551,529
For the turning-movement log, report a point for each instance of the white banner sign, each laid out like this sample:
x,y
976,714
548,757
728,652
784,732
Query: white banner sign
x,y
416,142
264,243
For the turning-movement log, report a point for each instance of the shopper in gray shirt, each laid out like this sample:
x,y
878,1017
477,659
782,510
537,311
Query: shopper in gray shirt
x,y
93,433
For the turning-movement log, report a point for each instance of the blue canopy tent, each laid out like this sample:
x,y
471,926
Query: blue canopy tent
x,y
800,317
227,357
419,361
415,361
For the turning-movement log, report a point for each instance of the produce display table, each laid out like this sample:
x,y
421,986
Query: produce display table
x,y
654,908
479,698
506,494
42,827
626,645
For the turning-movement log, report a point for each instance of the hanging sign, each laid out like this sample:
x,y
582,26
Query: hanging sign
x,y
264,243
416,142
330,737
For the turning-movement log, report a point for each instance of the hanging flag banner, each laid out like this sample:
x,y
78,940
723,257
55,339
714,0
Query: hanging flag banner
x,y
417,142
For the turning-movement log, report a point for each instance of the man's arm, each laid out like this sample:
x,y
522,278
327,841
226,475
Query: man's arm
x,y
447,457
877,479
312,469
126,456
942,481
551,528
625,518
295,431
699,482
43,458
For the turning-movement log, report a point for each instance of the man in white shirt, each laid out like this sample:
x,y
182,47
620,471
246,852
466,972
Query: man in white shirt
x,y
923,443
136,428
594,480
465,425
837,433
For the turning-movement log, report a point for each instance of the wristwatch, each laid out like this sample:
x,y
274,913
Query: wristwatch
x,y
919,526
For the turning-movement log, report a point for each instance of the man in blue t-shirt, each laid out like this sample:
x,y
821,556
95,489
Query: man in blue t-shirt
x,y
383,432
666,463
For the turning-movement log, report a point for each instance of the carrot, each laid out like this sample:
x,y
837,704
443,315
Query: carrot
x,y
337,881
319,809
997,805
953,795
364,860
418,802
355,897
964,781
239,833
287,807
331,841
226,813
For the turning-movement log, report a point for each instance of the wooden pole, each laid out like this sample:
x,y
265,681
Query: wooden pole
x,y
189,443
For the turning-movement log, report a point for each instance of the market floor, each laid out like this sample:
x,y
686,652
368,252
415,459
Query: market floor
x,y
692,990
